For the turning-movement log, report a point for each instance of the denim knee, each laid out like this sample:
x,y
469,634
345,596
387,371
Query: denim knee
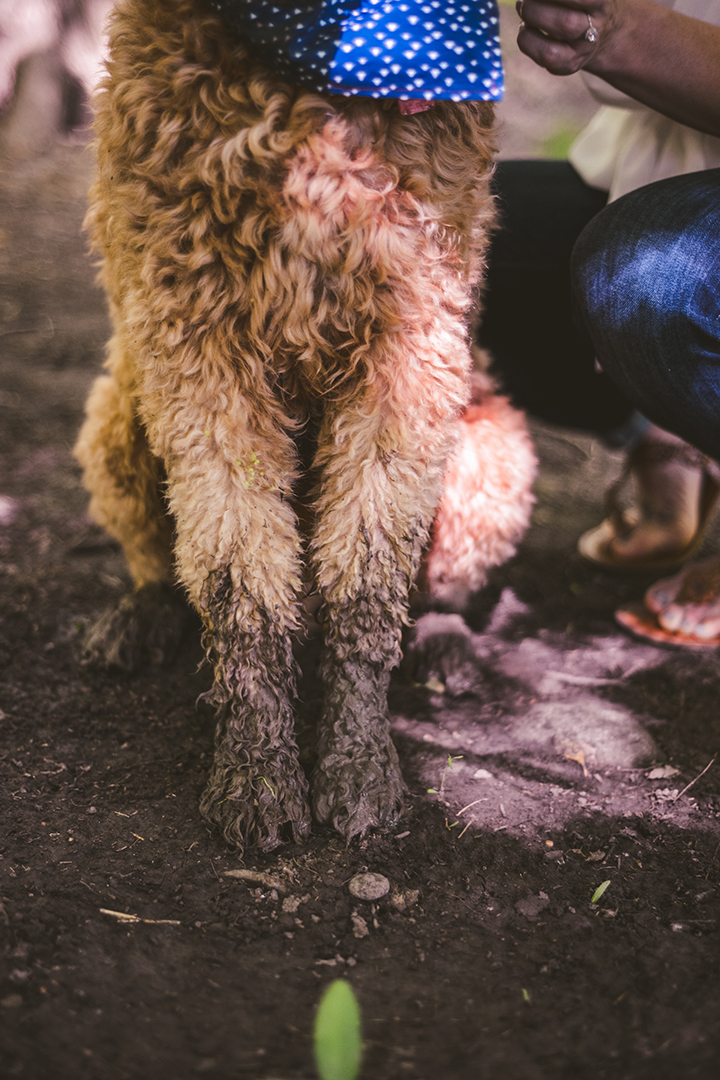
x,y
646,281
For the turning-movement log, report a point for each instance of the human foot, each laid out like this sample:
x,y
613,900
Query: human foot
x,y
689,602
676,490
680,610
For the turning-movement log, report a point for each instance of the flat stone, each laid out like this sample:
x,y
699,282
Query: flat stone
x,y
369,886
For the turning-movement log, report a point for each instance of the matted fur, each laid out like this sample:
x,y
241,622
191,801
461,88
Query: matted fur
x,y
486,500
277,259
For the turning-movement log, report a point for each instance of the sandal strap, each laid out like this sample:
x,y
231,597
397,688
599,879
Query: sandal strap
x,y
654,453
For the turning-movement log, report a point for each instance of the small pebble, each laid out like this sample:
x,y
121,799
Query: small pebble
x,y
359,926
369,886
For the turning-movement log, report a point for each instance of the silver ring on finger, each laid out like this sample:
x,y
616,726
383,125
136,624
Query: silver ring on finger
x,y
592,34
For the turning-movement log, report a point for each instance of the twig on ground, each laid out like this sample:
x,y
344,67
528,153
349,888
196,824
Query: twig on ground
x,y
582,680
688,786
123,916
257,877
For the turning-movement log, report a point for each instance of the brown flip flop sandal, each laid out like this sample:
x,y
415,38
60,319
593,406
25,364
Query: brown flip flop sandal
x,y
643,623
594,545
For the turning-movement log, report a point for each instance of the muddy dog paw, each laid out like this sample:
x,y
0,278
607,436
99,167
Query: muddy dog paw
x,y
441,648
357,784
144,627
257,803
354,795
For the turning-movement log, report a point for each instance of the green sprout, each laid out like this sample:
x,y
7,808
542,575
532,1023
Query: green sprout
x,y
599,891
338,1046
337,1040
439,791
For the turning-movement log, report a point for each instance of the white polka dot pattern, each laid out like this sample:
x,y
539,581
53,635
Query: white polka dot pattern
x,y
404,49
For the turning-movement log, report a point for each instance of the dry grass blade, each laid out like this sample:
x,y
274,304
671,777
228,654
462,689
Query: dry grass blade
x,y
123,916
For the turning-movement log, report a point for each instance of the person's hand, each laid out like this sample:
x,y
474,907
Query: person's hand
x,y
664,59
566,35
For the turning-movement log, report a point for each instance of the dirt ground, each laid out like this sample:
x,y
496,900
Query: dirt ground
x,y
545,751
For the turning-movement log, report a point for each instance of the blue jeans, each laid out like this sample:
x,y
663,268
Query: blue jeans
x,y
646,281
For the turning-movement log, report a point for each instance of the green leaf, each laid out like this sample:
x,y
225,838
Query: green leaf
x,y
599,891
337,1033
557,145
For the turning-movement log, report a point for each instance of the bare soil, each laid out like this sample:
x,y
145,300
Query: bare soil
x,y
545,752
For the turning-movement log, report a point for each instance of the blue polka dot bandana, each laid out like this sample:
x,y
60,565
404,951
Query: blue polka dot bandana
x,y
407,49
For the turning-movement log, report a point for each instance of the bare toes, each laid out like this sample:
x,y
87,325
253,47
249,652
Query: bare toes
x,y
691,620
661,594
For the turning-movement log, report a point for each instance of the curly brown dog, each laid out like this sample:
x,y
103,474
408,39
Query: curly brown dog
x,y
279,263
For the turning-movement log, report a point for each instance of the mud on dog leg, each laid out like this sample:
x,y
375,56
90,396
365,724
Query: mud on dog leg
x,y
357,782
238,555
256,787
375,509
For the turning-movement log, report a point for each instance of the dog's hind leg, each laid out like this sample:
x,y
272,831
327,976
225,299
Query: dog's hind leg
x,y
125,480
486,503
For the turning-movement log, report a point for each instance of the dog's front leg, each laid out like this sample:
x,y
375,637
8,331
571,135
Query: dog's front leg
x,y
357,782
238,555
381,472
256,786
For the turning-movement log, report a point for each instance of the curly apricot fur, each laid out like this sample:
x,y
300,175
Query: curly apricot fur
x,y
276,258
